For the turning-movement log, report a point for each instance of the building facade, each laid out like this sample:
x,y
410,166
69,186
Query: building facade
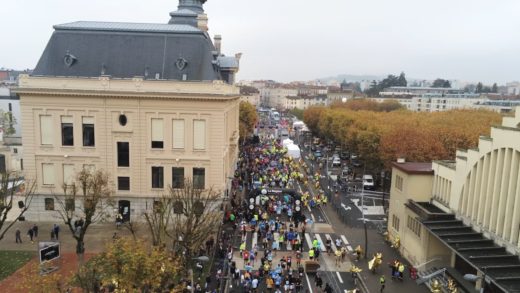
x,y
150,120
465,214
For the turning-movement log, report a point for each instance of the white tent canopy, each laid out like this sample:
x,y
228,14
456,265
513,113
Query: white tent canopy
x,y
293,151
287,142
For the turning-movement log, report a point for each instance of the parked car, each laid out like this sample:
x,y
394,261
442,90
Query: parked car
x,y
356,163
344,155
336,162
353,156
368,182
318,154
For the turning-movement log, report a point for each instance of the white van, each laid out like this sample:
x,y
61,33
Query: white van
x,y
336,162
368,182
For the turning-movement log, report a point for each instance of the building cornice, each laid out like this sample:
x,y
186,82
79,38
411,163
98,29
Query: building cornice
x,y
137,87
124,94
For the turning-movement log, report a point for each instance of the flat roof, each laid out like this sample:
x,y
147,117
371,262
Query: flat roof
x,y
414,167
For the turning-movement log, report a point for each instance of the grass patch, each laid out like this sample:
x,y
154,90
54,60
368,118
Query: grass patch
x,y
11,261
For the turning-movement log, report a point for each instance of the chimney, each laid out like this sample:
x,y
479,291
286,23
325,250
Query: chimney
x,y
218,43
401,160
202,22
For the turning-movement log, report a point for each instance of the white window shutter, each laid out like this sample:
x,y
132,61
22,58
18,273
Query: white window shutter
x,y
48,174
157,130
178,134
199,134
68,174
46,129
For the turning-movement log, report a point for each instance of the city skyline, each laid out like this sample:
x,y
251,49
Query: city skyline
x,y
467,40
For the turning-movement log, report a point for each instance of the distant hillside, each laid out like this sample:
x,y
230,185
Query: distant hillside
x,y
359,78
352,77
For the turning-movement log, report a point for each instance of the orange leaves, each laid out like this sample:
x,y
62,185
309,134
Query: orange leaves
x,y
382,137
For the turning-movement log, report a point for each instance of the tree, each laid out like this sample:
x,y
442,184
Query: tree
x,y
402,80
494,89
129,266
248,119
94,191
13,188
441,83
7,122
479,88
198,217
188,216
160,219
470,88
298,113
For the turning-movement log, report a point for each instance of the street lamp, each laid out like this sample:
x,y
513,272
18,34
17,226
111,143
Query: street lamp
x,y
474,278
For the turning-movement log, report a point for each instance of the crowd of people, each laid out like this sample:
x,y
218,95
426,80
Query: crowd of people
x,y
274,214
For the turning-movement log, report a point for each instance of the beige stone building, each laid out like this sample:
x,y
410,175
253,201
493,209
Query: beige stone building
x,y
162,109
464,215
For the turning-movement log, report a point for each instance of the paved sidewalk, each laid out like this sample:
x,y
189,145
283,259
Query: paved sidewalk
x,y
98,235
356,236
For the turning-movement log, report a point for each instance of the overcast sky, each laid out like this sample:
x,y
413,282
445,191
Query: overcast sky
x,y
475,40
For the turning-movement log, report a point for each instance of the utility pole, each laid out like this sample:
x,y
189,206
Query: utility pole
x,y
363,211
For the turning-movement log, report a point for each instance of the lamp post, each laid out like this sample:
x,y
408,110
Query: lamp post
x,y
363,211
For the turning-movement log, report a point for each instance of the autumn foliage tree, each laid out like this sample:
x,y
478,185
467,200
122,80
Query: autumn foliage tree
x,y
129,266
247,119
380,137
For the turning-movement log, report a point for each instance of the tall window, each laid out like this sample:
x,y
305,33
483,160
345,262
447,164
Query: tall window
x,y
395,222
67,131
157,134
199,178
123,154
68,174
414,225
157,177
399,182
178,177
46,130
70,204
48,174
199,134
123,183
88,132
178,133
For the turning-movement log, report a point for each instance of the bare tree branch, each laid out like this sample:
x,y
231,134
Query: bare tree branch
x,y
11,185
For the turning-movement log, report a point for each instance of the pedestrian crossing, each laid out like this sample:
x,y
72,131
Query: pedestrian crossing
x,y
253,240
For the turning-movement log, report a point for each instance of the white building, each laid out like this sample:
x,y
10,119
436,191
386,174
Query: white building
x,y
432,103
513,88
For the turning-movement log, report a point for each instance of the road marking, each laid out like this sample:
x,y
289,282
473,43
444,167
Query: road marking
x,y
349,248
313,218
331,242
339,277
255,239
322,244
308,239
344,239
308,207
345,291
308,283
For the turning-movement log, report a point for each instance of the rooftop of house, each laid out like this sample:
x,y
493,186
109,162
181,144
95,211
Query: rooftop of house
x,y
414,167
178,50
